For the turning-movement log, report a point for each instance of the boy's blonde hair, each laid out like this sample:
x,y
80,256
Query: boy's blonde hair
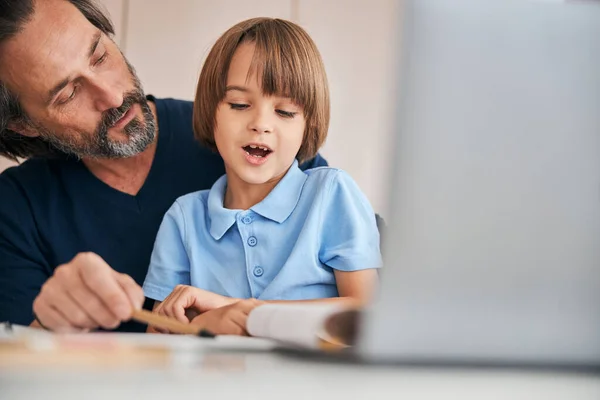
x,y
290,65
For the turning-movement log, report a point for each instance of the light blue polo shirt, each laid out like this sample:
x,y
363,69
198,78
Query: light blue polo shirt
x,y
283,248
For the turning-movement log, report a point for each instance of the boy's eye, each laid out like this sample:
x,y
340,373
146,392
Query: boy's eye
x,y
286,114
238,106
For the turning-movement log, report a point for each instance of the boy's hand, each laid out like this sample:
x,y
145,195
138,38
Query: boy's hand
x,y
228,320
186,302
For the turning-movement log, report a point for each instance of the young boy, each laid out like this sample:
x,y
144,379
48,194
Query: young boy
x,y
266,230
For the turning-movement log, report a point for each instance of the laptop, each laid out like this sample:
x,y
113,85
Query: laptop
x,y
492,250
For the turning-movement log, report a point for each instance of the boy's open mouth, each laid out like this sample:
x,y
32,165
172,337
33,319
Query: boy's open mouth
x,y
257,150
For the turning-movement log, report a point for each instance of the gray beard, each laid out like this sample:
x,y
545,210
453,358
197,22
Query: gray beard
x,y
99,145
140,134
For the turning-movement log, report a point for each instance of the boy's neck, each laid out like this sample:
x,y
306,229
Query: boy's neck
x,y
241,195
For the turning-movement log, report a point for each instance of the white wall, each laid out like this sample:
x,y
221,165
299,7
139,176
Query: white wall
x,y
117,10
356,39
167,42
167,45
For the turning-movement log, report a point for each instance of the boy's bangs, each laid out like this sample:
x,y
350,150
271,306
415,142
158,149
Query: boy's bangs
x,y
278,69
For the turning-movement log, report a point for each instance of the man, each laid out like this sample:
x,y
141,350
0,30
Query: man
x,y
105,163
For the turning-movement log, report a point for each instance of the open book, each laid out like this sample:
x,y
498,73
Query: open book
x,y
310,326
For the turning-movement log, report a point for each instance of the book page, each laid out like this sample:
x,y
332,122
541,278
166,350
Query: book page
x,y
298,325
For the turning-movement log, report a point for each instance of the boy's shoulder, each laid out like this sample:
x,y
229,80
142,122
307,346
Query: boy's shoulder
x,y
322,172
333,186
325,176
193,202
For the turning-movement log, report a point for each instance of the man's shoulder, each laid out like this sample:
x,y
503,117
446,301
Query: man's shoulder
x,y
175,120
34,173
25,188
174,109
174,103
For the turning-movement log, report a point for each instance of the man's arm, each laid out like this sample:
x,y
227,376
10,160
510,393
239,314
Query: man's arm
x,y
20,281
82,294
23,270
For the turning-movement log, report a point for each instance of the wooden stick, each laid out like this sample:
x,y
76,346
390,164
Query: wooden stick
x,y
160,321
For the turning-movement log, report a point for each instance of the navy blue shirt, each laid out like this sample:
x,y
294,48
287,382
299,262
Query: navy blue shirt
x,y
50,210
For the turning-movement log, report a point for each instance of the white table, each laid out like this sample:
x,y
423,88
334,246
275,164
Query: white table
x,y
233,368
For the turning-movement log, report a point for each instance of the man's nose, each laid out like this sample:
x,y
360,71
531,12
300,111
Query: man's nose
x,y
106,95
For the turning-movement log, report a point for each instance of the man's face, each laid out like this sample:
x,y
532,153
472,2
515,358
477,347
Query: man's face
x,y
75,86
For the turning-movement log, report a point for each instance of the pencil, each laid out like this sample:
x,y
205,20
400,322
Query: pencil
x,y
172,325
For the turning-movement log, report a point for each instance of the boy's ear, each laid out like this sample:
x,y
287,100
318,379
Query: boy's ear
x,y
23,129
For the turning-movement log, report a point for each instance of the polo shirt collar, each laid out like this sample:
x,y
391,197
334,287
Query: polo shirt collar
x,y
277,206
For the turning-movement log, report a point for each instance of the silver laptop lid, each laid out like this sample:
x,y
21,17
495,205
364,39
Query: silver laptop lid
x,y
493,248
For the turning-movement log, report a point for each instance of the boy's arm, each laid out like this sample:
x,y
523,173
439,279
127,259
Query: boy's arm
x,y
355,289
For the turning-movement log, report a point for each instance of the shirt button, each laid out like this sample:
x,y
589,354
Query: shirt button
x,y
258,271
247,220
252,241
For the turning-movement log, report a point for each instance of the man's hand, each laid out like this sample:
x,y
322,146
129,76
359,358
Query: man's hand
x,y
186,302
86,293
228,320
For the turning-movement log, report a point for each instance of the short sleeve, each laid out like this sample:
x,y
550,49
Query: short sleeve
x,y
169,263
349,234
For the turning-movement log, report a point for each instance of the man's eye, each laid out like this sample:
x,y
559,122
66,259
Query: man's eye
x,y
71,96
238,106
101,59
286,114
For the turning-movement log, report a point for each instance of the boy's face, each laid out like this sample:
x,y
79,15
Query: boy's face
x,y
257,136
75,86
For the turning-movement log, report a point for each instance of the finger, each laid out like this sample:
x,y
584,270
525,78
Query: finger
x,y
133,290
72,311
100,278
52,319
158,308
94,307
86,299
238,319
53,294
166,306
180,305
247,305
177,303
